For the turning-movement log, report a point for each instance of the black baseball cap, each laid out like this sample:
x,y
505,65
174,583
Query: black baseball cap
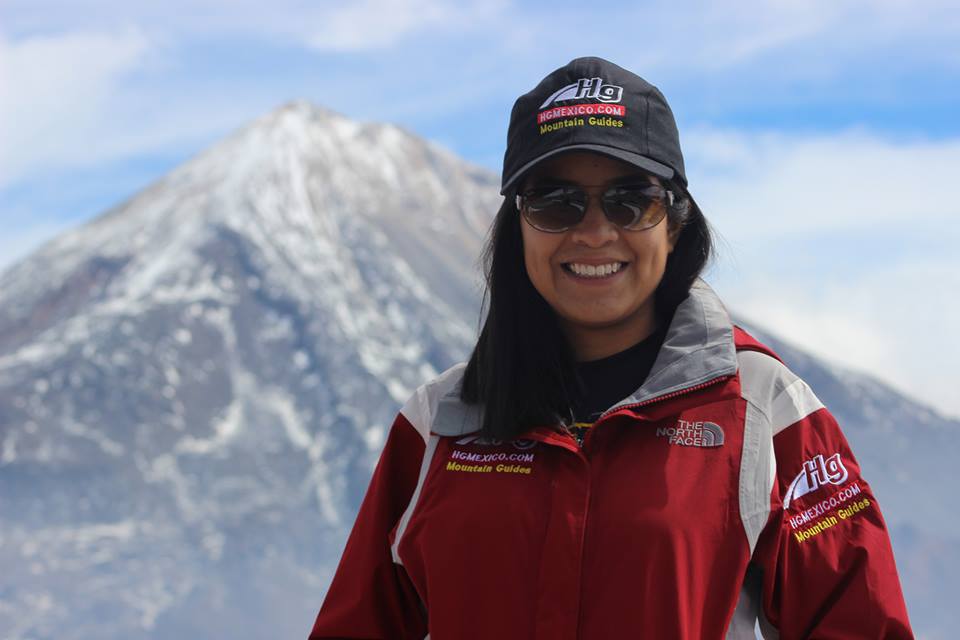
x,y
591,104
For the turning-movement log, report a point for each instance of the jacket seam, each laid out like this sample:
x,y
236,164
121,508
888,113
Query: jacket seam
x,y
759,505
414,499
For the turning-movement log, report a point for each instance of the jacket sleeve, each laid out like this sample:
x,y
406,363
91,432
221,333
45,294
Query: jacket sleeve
x,y
370,596
827,564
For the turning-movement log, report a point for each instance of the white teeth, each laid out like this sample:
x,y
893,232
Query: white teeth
x,y
594,271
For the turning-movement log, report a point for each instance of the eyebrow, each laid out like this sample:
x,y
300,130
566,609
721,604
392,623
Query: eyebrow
x,y
633,178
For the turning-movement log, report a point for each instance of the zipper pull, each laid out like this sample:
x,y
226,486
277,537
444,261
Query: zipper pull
x,y
581,432
577,433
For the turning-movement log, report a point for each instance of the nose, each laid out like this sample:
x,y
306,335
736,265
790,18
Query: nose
x,y
594,230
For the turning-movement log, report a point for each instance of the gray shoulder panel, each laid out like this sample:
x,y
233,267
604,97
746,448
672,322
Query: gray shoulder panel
x,y
454,418
762,379
427,402
775,390
776,398
757,473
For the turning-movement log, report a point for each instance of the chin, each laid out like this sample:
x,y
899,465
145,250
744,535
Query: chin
x,y
605,321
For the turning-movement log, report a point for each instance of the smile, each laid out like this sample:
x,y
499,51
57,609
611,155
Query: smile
x,y
593,270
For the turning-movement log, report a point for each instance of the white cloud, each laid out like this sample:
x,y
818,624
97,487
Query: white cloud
x,y
897,323
818,31
773,184
844,245
80,96
379,24
330,25
701,33
55,91
82,100
755,45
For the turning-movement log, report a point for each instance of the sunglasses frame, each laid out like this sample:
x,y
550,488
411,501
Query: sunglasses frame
x,y
583,202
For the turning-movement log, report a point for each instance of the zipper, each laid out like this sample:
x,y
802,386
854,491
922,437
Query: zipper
x,y
583,542
579,440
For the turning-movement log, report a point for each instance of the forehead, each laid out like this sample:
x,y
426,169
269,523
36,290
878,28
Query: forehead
x,y
584,167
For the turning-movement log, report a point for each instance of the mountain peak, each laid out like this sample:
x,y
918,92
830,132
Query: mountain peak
x,y
301,138
299,115
302,186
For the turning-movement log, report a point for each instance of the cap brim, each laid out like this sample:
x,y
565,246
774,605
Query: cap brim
x,y
656,168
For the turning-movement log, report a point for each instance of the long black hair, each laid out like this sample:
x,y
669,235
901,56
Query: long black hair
x,y
521,369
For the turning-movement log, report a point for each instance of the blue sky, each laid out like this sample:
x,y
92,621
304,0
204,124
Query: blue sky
x,y
822,138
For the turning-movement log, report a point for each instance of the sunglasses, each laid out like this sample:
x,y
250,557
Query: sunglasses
x,y
555,209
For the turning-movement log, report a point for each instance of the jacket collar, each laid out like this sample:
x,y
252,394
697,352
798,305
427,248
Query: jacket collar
x,y
698,348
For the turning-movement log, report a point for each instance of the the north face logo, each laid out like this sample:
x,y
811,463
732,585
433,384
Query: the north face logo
x,y
693,434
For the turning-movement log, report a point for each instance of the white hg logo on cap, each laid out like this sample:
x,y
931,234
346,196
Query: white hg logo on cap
x,y
592,88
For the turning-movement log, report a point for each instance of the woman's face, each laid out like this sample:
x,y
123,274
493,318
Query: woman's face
x,y
606,314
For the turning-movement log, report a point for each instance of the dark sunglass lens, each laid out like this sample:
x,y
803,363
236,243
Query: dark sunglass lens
x,y
553,210
631,209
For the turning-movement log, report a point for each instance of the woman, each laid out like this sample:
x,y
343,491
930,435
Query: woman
x,y
616,459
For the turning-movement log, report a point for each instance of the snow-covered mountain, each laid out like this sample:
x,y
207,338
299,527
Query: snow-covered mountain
x,y
195,385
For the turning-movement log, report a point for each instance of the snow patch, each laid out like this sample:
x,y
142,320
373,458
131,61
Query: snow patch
x,y
106,444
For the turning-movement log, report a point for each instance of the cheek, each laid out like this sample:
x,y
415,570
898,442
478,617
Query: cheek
x,y
651,257
656,247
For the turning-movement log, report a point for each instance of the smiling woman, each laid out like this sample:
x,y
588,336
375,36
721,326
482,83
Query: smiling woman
x,y
616,459
597,275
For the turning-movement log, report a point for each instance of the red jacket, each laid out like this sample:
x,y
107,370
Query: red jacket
x,y
721,492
